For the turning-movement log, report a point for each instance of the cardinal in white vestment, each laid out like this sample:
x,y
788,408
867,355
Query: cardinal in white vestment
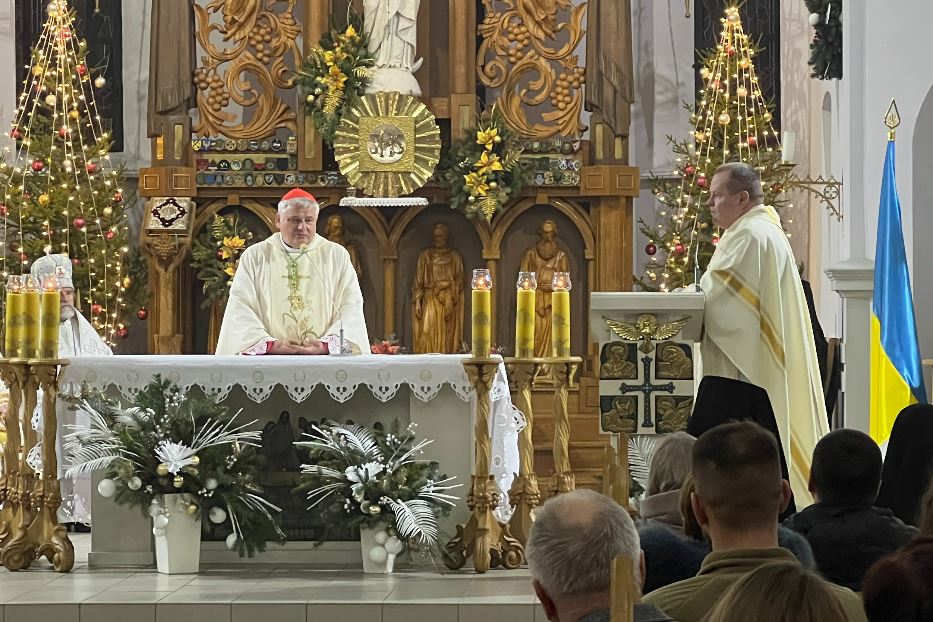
x,y
757,325
76,338
295,292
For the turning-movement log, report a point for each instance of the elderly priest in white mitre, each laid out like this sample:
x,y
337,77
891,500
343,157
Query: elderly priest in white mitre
x,y
76,335
757,329
295,292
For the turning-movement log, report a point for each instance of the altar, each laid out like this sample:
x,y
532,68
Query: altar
x,y
431,391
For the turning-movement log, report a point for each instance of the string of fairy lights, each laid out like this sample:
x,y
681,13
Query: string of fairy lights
x,y
730,85
76,167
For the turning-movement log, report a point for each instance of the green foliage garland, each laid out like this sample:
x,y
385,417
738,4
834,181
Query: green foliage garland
x,y
216,255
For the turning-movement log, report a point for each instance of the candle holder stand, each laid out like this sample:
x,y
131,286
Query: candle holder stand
x,y
524,493
562,369
483,538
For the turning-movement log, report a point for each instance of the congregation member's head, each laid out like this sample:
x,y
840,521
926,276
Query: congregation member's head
x,y
296,218
779,592
734,190
738,489
846,469
899,587
573,542
908,463
670,463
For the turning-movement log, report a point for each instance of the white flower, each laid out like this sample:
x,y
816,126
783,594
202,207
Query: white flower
x,y
363,473
176,456
357,491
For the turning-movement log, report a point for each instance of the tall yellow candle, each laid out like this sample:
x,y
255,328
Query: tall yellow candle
x,y
11,321
481,316
50,312
30,318
560,314
525,315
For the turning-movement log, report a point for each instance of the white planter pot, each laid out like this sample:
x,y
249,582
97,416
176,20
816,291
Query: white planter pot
x,y
375,557
178,543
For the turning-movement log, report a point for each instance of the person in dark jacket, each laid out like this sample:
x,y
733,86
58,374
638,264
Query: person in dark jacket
x,y
846,532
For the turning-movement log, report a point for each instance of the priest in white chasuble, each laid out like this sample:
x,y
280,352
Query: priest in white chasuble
x,y
757,324
295,292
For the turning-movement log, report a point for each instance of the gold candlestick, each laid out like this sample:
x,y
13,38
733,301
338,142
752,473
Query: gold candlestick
x,y
17,552
524,494
48,535
483,538
13,375
563,370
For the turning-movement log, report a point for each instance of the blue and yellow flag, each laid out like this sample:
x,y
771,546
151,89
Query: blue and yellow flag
x,y
896,375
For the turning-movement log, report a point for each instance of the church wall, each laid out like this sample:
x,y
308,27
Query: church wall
x,y
886,52
662,39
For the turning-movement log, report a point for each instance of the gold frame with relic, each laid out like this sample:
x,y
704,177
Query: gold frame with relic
x,y
388,145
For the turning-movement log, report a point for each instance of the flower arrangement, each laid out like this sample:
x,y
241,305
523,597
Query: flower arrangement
x,y
216,254
167,443
387,346
335,75
485,171
369,478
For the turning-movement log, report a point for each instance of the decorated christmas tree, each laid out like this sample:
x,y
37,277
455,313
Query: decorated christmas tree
x,y
731,122
60,193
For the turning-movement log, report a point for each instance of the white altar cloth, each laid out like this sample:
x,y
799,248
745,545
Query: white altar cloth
x,y
425,376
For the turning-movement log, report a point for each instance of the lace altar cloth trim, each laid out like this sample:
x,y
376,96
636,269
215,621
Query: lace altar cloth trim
x,y
424,374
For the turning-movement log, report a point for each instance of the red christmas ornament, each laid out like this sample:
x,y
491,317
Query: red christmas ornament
x,y
110,234
679,248
23,257
75,261
220,254
690,169
142,313
730,50
65,32
777,188
38,165
91,167
82,70
96,309
752,141
61,132
117,197
715,240
701,181
78,222
122,333
16,134
651,249
4,210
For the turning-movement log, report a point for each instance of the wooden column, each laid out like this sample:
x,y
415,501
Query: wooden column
x,y
315,24
462,30
389,264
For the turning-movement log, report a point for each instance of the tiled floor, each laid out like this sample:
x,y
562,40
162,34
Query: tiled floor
x,y
263,593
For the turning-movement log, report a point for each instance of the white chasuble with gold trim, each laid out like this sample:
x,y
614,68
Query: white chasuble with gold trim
x,y
280,293
757,329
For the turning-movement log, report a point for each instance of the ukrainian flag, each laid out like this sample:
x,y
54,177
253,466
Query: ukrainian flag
x,y
896,376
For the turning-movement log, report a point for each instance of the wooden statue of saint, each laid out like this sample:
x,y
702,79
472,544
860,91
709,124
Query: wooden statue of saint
x,y
437,297
545,258
333,231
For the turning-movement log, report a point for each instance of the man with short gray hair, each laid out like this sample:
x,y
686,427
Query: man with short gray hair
x,y
295,292
757,327
570,550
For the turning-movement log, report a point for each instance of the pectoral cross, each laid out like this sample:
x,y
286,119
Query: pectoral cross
x,y
647,389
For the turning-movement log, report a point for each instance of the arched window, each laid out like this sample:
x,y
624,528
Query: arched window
x,y
100,23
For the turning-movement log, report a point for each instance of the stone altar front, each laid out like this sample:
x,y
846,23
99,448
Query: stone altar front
x,y
432,391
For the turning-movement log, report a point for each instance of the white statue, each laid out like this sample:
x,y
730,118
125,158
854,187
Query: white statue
x,y
392,26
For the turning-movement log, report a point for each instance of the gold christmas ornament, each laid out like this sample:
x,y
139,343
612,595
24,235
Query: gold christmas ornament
x,y
44,199
766,116
108,211
179,481
192,509
100,81
724,118
127,281
195,461
741,91
745,63
162,470
38,70
73,114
